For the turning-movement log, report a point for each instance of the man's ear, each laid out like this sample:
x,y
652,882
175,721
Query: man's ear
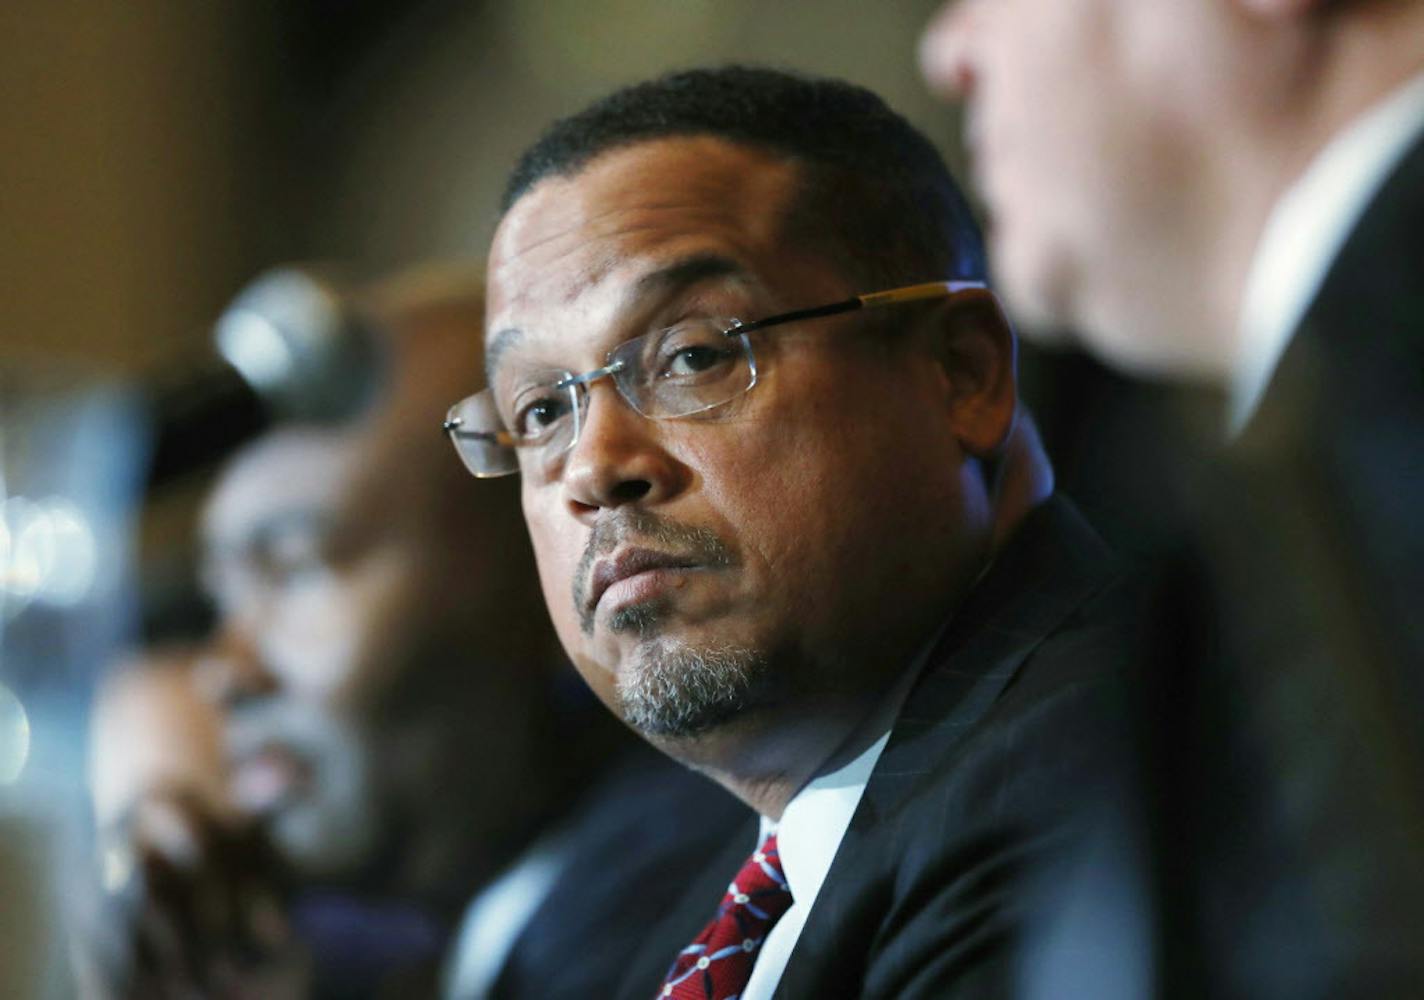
x,y
975,346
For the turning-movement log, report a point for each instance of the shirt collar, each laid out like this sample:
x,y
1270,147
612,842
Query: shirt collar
x,y
1305,232
815,820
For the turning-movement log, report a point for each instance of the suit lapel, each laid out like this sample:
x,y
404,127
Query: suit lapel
x,y
1331,463
1369,309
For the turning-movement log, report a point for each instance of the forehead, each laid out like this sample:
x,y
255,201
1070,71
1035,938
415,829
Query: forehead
x,y
288,476
584,242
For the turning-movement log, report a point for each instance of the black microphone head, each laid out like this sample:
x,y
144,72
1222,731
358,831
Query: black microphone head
x,y
296,338
293,345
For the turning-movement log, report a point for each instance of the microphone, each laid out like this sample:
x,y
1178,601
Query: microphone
x,y
290,346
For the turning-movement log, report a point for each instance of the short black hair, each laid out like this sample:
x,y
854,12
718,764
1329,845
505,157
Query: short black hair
x,y
874,189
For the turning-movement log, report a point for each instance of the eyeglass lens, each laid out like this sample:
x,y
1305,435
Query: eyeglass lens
x,y
685,369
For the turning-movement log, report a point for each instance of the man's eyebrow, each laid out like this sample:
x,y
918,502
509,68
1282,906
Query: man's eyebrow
x,y
663,281
498,344
686,272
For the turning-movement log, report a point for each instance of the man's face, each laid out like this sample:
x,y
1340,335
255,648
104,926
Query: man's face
x,y
298,640
1084,119
749,560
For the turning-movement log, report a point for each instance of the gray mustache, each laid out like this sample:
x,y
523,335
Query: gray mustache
x,y
699,545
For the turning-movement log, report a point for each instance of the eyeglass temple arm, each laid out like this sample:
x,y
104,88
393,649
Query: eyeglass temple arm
x,y
455,428
874,300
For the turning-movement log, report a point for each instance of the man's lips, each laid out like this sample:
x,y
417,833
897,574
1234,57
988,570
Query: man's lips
x,y
626,564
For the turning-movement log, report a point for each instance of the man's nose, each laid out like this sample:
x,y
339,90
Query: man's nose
x,y
619,457
230,671
947,49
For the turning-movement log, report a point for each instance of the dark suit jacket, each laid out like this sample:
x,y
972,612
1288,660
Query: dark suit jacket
x,y
1337,449
1290,731
636,841
1004,735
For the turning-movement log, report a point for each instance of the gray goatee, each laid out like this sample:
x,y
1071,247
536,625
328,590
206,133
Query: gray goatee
x,y
675,690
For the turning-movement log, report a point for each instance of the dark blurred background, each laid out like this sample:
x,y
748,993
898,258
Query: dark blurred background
x,y
158,154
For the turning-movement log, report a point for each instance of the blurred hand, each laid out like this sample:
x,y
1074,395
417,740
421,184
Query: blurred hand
x,y
192,907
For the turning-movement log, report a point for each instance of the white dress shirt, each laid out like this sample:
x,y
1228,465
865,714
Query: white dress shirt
x,y
811,829
807,839
1306,231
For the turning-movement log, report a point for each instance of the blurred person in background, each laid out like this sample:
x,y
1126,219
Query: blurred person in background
x,y
1234,191
398,725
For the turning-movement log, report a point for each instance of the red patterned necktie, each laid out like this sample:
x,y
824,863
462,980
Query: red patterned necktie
x,y
718,964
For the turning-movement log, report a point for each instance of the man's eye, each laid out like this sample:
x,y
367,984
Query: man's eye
x,y
538,417
287,565
706,352
694,360
295,572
